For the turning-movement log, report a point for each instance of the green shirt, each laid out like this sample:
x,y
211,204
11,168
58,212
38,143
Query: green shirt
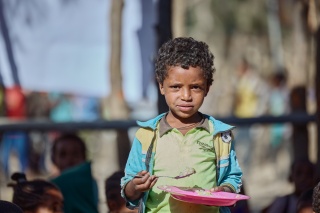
x,y
174,153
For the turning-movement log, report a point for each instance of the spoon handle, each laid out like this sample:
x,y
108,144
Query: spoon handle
x,y
135,176
140,176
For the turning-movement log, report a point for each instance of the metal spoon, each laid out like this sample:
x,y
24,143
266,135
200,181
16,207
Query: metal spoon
x,y
176,177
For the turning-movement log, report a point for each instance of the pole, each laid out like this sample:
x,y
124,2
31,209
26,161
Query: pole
x,y
164,33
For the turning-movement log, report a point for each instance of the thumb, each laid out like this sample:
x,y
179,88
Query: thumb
x,y
217,189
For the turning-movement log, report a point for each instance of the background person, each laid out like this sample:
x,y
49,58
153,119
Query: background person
x,y
75,180
36,196
116,203
302,175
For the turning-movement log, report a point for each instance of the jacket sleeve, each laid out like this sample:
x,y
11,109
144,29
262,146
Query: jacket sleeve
x,y
231,174
135,164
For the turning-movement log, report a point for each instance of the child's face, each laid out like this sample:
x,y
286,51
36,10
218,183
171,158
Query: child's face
x,y
68,154
184,91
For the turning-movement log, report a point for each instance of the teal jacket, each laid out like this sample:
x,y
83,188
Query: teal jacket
x,y
143,150
79,189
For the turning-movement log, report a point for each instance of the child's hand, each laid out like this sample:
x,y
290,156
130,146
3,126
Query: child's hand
x,y
220,189
137,186
145,183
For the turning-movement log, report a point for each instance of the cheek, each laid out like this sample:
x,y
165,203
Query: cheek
x,y
171,98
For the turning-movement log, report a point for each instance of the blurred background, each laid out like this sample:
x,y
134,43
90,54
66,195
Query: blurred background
x,y
87,67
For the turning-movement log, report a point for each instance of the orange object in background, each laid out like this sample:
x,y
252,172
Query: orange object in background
x,y
15,102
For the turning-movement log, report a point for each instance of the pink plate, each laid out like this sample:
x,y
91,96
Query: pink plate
x,y
202,196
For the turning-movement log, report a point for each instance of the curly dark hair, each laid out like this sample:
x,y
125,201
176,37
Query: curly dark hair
x,y
112,185
184,52
316,199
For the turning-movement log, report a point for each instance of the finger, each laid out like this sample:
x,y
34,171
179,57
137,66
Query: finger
x,y
152,177
144,186
154,181
216,189
144,178
142,173
151,182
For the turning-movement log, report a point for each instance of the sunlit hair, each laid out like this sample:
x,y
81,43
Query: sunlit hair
x,y
184,52
30,195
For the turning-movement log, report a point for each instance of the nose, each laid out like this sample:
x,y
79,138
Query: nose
x,y
186,94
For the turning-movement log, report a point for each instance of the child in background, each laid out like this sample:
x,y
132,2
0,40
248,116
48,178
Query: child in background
x,y
302,175
116,204
316,199
181,138
304,204
79,188
278,105
36,196
68,150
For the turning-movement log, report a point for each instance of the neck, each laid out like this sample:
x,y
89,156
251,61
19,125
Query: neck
x,y
177,123
189,126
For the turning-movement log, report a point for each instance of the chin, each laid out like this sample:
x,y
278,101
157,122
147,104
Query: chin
x,y
185,115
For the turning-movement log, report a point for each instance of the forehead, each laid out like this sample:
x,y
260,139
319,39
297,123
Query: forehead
x,y
191,73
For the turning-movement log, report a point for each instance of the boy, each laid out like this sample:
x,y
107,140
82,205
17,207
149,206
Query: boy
x,y
181,138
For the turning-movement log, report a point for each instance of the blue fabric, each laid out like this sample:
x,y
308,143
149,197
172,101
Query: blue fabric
x,y
62,110
14,141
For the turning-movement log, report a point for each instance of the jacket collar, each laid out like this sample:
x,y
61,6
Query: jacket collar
x,y
218,126
165,127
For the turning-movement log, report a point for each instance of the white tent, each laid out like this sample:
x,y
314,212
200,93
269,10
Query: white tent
x,y
62,46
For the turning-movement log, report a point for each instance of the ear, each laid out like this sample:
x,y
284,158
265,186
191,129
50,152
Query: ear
x,y
161,89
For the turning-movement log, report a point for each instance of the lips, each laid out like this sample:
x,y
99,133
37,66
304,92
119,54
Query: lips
x,y
185,107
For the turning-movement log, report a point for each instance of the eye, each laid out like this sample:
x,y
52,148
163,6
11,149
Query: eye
x,y
196,87
175,87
